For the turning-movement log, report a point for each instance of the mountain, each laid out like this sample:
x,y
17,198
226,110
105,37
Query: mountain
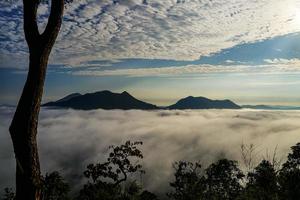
x,y
203,103
109,100
102,99
70,96
270,107
260,107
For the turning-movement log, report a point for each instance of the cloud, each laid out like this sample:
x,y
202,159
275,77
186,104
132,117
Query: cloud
x,y
282,61
156,71
272,66
180,30
69,140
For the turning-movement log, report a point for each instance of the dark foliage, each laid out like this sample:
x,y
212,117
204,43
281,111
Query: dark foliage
x,y
146,195
115,179
54,187
289,175
110,179
118,165
262,182
189,182
223,180
99,190
8,194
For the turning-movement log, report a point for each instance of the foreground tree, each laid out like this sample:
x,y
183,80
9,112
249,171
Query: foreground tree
x,y
189,181
110,179
55,187
289,175
8,194
23,129
223,180
262,182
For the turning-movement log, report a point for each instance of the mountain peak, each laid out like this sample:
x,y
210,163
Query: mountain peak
x,y
108,100
125,93
102,92
189,97
66,98
192,97
105,100
191,102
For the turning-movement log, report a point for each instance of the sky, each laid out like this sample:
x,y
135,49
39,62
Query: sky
x,y
160,51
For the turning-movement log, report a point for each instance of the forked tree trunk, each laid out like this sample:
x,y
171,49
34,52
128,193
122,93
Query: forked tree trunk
x,y
23,129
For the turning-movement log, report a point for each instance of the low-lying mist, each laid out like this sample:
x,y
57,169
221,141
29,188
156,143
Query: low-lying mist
x,y
69,139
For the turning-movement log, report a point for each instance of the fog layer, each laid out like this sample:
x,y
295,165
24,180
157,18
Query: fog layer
x,y
69,139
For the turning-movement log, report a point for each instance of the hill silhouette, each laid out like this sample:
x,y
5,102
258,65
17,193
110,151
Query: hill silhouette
x,y
109,100
271,107
203,103
103,99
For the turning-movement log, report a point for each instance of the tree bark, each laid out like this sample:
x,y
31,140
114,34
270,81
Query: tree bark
x,y
23,129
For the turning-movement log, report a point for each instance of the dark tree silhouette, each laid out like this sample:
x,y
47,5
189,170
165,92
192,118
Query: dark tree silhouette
x,y
289,175
54,187
223,180
146,195
23,129
118,164
107,177
189,181
262,182
8,194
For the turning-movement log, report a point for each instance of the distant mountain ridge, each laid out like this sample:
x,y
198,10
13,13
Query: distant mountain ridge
x,y
103,99
68,97
270,107
203,103
109,100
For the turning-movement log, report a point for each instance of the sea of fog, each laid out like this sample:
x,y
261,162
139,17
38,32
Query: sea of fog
x,y
69,139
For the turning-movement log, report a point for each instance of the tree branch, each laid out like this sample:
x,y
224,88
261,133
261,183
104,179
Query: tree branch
x,y
123,179
54,22
31,30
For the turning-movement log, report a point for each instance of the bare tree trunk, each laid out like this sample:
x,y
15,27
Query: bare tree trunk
x,y
23,129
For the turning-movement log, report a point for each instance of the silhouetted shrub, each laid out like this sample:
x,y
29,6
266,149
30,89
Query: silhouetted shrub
x,y
289,175
109,179
223,180
262,183
115,179
54,187
99,190
8,194
146,195
189,182
118,165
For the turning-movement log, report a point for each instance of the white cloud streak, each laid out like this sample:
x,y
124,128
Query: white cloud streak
x,y
185,30
272,66
282,61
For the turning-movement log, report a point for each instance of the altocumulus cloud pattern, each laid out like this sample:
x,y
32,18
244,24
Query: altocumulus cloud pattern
x,y
169,29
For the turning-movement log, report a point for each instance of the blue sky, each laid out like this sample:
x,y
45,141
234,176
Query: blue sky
x,y
161,51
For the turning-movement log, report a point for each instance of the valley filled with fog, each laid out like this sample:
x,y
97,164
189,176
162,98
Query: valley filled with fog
x,y
71,139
